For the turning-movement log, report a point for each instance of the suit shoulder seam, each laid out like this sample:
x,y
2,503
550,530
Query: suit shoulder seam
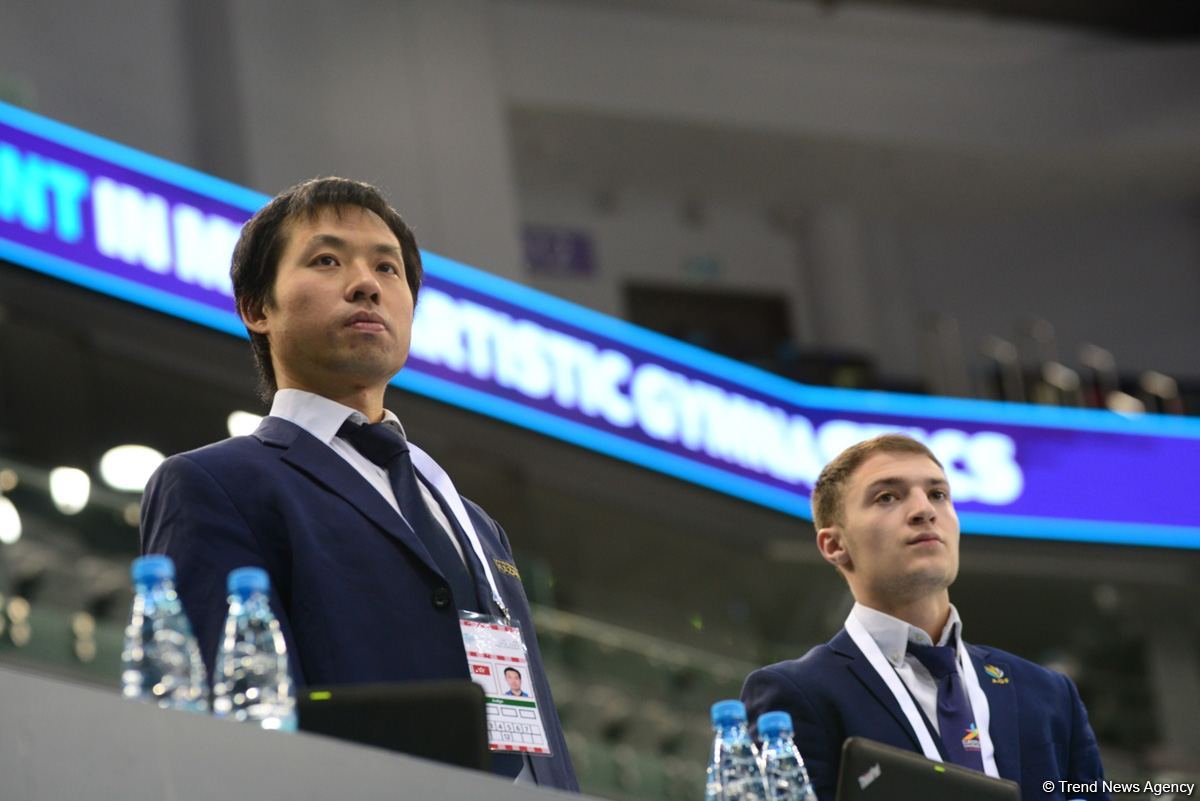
x,y
187,459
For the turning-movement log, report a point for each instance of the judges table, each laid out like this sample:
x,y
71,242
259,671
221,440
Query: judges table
x,y
61,741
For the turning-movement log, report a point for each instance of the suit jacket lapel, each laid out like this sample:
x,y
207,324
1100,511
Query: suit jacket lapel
x,y
316,460
482,589
1002,709
862,669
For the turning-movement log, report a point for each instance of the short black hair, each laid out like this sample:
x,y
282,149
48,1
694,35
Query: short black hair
x,y
256,255
514,670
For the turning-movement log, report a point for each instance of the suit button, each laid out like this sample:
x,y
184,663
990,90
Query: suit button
x,y
441,597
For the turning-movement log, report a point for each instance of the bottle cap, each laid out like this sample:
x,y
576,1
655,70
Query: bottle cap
x,y
152,568
771,724
727,713
245,580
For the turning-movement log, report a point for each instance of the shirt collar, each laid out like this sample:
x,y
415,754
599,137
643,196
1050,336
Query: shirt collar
x,y
319,415
893,635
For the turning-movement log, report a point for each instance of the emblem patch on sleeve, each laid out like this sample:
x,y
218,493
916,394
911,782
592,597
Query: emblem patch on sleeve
x,y
507,567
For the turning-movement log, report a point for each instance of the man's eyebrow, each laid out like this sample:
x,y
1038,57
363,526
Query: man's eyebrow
x,y
899,482
328,240
388,250
885,482
333,241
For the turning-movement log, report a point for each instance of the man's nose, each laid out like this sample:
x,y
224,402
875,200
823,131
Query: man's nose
x,y
922,510
362,283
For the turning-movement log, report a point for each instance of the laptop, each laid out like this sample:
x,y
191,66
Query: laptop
x,y
872,771
439,720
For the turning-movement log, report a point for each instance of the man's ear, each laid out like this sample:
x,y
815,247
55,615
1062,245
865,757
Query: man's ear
x,y
833,547
254,316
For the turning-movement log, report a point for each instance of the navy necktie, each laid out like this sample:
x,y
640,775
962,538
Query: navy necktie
x,y
384,445
956,723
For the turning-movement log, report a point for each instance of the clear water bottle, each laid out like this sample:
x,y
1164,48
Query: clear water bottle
x,y
787,780
251,682
734,774
161,661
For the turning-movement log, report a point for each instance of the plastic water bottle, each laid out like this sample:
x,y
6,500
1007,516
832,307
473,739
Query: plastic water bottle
x,y
161,662
251,682
787,780
734,773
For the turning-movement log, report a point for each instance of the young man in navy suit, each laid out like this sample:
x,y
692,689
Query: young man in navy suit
x,y
371,552
899,672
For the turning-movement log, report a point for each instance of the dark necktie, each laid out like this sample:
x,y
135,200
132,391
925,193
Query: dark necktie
x,y
955,720
384,445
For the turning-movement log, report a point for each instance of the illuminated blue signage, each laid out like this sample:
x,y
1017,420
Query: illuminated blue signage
x,y
121,222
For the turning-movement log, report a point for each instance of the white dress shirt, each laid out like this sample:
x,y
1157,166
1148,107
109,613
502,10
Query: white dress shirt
x,y
322,418
893,635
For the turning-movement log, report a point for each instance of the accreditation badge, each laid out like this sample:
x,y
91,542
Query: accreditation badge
x,y
499,663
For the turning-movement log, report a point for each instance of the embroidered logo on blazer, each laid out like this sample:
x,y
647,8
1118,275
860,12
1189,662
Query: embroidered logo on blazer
x,y
996,673
507,567
970,741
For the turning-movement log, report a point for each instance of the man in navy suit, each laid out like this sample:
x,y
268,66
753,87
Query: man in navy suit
x,y
899,672
371,553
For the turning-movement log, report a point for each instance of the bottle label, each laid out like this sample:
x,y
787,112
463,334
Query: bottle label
x,y
499,664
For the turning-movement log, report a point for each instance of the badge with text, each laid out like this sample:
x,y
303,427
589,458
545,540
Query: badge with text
x,y
499,664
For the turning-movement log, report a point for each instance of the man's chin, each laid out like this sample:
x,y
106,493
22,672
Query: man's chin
x,y
923,583
367,369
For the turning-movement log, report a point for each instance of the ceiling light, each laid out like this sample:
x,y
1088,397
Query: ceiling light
x,y
129,467
70,488
241,424
10,522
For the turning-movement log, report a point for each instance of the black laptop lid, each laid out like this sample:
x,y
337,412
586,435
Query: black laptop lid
x,y
440,720
873,771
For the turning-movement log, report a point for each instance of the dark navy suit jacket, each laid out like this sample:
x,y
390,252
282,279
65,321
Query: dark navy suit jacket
x,y
1038,724
358,596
